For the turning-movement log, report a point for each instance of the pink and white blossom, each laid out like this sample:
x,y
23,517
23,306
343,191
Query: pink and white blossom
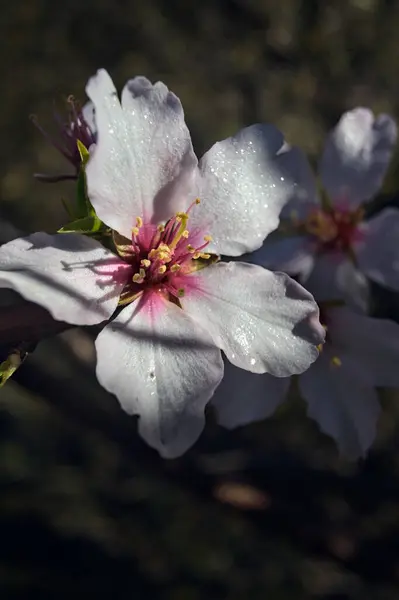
x,y
360,354
329,244
178,307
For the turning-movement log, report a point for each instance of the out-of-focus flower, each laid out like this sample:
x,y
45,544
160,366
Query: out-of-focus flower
x,y
360,354
328,243
161,354
79,127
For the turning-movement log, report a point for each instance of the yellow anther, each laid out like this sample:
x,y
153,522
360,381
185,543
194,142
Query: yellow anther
x,y
190,248
163,253
139,277
162,270
185,233
181,216
208,238
197,201
205,255
196,255
135,230
145,263
335,361
139,222
161,228
176,267
180,292
320,347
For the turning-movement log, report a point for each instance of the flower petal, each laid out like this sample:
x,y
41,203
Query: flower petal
x,y
356,156
335,277
290,254
244,184
374,342
245,397
143,145
73,276
378,252
90,117
163,367
342,401
263,321
304,196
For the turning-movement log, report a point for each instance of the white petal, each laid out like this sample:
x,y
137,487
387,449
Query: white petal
x,y
245,183
356,156
374,342
73,276
335,277
163,367
378,252
353,284
245,397
142,146
343,402
89,116
263,321
290,254
304,196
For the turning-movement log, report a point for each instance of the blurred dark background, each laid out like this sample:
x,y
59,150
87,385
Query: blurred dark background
x,y
269,511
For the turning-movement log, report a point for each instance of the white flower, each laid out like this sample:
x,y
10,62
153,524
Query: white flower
x,y
360,354
332,248
161,355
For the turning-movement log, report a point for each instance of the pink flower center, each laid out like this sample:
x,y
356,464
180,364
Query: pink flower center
x,y
335,228
161,257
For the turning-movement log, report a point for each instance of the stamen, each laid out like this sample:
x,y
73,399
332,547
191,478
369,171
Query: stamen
x,y
135,230
139,277
335,361
181,218
139,222
145,263
208,238
162,269
176,267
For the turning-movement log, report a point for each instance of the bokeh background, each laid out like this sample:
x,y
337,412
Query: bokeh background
x,y
268,511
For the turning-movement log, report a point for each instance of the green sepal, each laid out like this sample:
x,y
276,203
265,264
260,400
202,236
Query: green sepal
x,y
87,225
83,205
83,151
